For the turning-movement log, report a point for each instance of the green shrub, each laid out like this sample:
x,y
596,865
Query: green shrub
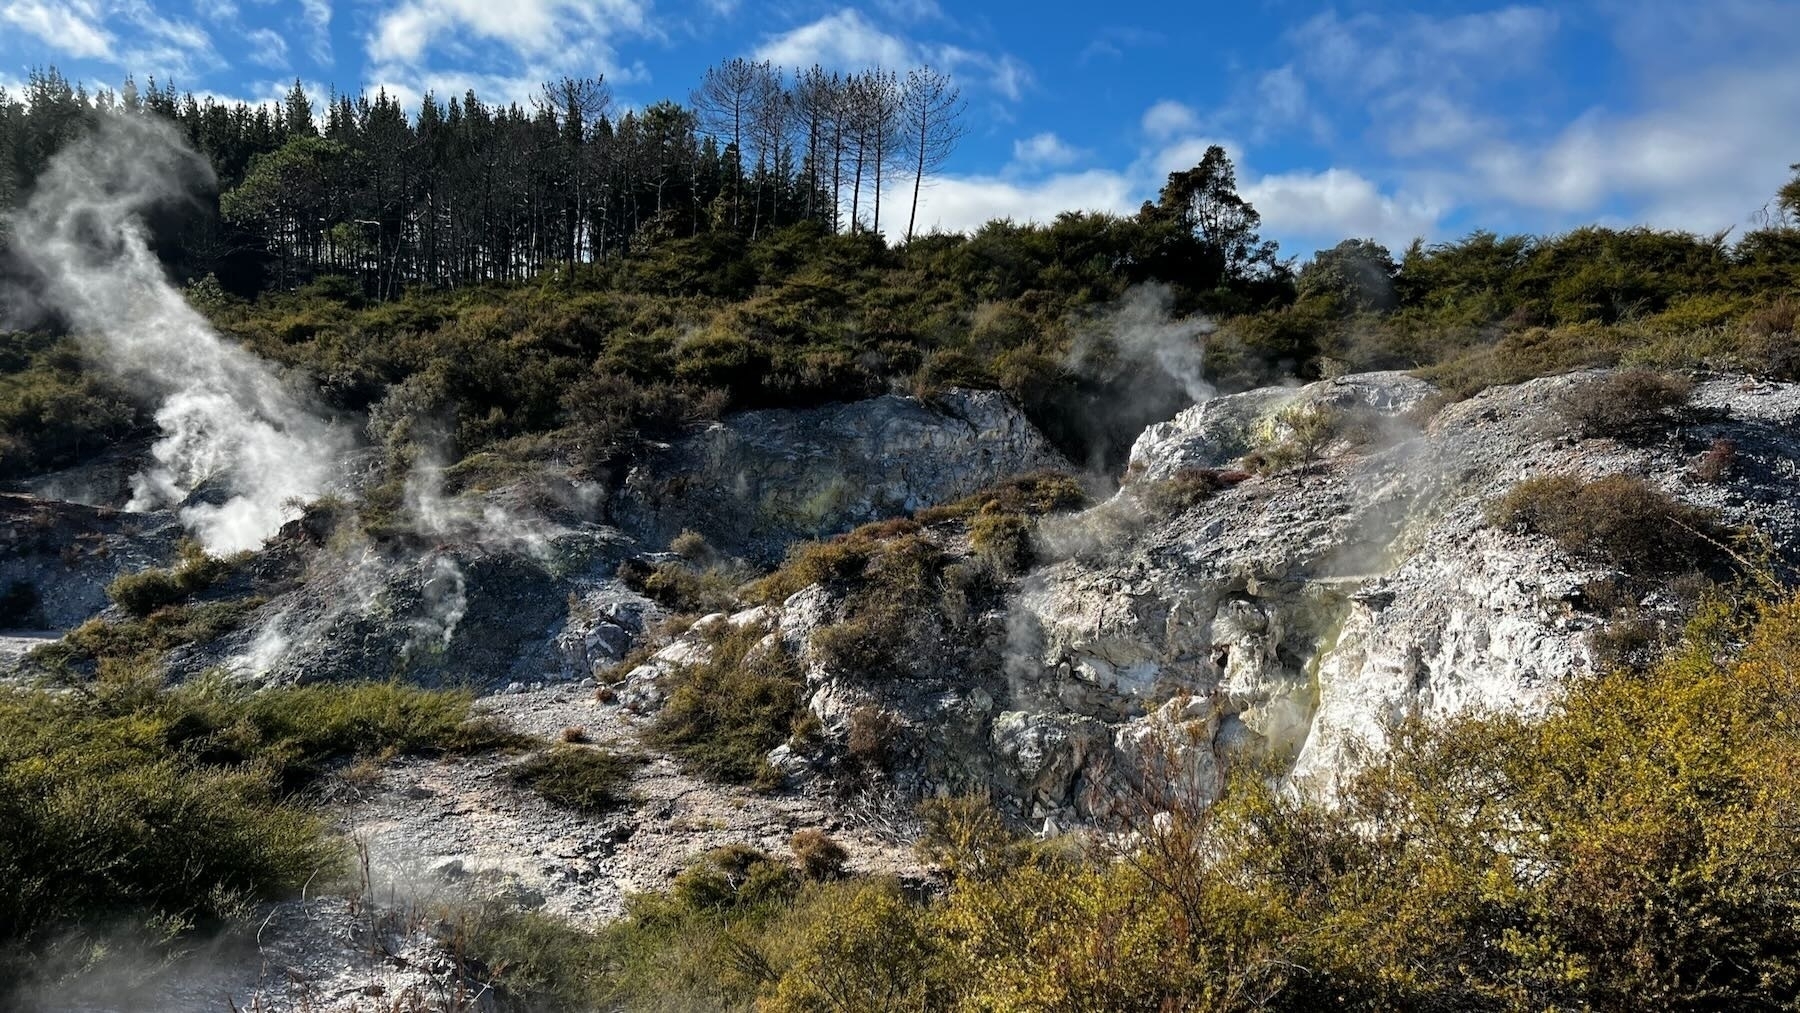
x,y
1185,490
1293,438
723,715
1618,520
131,811
586,780
1004,541
682,587
1032,495
816,855
1630,404
143,593
1630,849
161,630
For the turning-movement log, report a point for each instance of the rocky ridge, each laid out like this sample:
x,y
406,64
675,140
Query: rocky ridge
x,y
1298,612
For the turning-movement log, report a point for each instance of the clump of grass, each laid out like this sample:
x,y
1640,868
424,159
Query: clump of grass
x,y
724,715
1717,462
1035,494
150,590
168,627
682,586
585,780
1186,489
1005,540
817,855
131,809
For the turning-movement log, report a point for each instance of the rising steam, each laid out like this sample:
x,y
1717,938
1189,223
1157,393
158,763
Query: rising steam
x,y
232,432
1142,328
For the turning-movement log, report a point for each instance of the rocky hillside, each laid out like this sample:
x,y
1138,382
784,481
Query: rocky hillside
x,y
1285,573
1303,611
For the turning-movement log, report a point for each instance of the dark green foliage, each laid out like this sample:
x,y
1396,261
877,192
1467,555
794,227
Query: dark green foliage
x,y
52,411
723,715
584,779
143,593
1356,275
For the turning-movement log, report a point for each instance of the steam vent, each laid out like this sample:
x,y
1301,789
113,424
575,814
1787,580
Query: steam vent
x,y
842,531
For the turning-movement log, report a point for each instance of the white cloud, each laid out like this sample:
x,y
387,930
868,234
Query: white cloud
x,y
842,41
518,44
1370,52
1334,204
1045,150
267,47
911,10
1706,160
165,45
317,16
1302,209
965,203
847,40
1168,118
74,28
534,28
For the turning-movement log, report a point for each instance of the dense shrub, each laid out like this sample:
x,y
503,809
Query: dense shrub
x,y
145,592
1629,404
1618,521
682,586
1631,849
724,714
161,630
816,855
53,411
1032,495
1004,541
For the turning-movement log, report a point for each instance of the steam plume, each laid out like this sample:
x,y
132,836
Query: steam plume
x,y
228,423
1142,328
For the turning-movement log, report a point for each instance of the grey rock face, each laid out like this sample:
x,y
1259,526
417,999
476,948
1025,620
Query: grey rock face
x,y
1300,614
756,482
60,556
455,613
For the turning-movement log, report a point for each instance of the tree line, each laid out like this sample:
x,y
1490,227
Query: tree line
x,y
466,191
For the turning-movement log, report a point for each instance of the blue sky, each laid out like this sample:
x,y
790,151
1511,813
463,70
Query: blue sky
x,y
1368,118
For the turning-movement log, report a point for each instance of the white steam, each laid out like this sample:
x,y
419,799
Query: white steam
x,y
232,432
1141,328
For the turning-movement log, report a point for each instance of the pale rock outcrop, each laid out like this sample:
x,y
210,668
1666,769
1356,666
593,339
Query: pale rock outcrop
x,y
1300,614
